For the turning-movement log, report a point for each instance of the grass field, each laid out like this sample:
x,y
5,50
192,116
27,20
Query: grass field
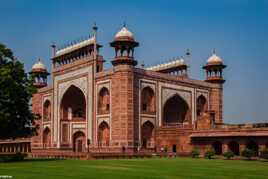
x,y
135,168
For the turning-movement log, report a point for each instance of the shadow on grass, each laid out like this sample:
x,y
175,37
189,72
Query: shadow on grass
x,y
32,160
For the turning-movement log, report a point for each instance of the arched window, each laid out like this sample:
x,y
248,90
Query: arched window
x,y
104,101
104,134
79,142
253,146
217,146
46,137
147,133
73,105
148,100
234,147
176,111
201,105
47,111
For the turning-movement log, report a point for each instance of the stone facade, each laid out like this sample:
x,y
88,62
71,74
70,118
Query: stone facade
x,y
134,110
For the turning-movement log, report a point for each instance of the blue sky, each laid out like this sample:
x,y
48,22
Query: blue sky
x,y
237,29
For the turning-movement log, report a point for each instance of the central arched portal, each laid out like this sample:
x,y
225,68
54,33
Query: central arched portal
x,y
176,111
73,104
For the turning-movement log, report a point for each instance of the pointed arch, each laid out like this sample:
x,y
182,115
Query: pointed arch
x,y
73,104
234,147
103,134
148,135
47,111
201,105
46,137
176,110
217,146
148,100
79,141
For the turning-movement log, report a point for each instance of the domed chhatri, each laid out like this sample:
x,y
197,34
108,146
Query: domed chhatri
x,y
124,34
39,67
214,68
39,74
124,45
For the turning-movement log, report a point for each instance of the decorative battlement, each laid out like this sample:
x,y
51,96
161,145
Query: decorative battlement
x,y
80,50
74,47
176,67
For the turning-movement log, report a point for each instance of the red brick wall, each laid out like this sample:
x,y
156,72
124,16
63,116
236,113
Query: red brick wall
x,y
37,109
122,106
216,103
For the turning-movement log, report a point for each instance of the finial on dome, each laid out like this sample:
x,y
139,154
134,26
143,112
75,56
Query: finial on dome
x,y
214,51
124,24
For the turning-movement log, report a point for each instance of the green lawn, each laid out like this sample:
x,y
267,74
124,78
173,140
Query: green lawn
x,y
136,168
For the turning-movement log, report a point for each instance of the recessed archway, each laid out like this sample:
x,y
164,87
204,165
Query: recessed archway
x,y
46,137
79,142
104,134
201,104
104,101
47,111
176,111
73,104
147,134
234,147
147,100
217,146
253,146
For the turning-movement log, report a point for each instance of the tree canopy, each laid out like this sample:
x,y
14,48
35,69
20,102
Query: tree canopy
x,y
16,118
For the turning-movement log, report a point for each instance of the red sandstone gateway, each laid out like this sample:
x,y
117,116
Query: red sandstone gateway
x,y
127,110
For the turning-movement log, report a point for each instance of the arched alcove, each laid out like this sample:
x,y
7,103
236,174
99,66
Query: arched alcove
x,y
148,134
104,101
147,101
234,147
47,111
46,137
104,134
217,146
79,142
201,105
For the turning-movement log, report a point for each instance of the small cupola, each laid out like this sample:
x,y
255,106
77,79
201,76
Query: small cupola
x,y
124,44
214,69
39,74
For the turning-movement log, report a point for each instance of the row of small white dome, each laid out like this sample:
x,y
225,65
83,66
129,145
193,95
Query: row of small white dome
x,y
125,33
211,60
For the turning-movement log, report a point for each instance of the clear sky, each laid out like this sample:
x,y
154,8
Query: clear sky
x,y
237,29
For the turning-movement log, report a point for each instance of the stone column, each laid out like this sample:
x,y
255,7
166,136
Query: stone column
x,y
242,147
225,147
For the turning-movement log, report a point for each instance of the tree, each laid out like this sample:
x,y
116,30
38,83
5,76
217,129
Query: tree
x,y
264,153
16,118
228,155
209,154
195,153
248,153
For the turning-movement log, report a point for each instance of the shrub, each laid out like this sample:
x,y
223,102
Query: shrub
x,y
195,153
228,155
248,153
209,154
264,153
12,157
